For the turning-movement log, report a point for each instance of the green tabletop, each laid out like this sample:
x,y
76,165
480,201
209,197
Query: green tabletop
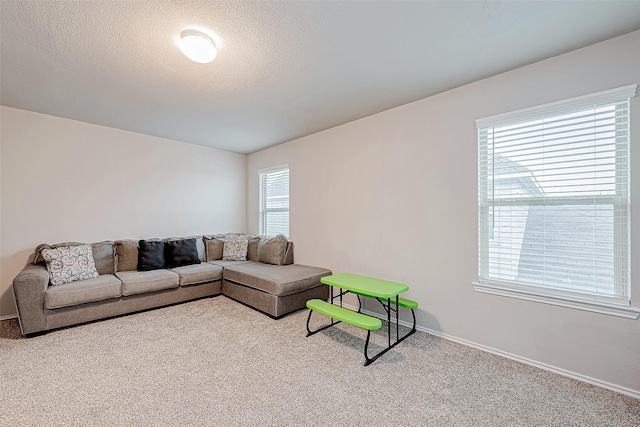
x,y
365,285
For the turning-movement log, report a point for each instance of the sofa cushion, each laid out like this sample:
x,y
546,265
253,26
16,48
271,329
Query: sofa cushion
x,y
252,248
235,247
150,255
68,264
104,256
181,252
273,250
277,280
103,287
224,264
127,255
140,282
214,248
198,273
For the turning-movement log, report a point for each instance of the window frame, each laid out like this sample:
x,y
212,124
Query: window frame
x,y
557,296
263,210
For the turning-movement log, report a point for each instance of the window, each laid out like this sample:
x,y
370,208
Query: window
x,y
274,201
553,202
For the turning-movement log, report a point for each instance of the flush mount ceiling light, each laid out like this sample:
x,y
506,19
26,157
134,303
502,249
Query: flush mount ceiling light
x,y
197,46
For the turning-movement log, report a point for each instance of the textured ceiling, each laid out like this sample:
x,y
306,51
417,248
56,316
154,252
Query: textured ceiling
x,y
283,70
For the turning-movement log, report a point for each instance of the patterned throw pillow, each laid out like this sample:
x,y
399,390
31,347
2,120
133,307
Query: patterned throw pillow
x,y
70,263
235,247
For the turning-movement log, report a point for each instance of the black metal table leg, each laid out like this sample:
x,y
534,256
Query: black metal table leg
x,y
397,319
389,321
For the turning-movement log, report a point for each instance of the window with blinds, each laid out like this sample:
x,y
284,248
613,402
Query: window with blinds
x,y
274,201
553,199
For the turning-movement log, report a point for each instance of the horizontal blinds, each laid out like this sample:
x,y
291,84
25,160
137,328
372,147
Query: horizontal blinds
x,y
559,107
554,200
274,201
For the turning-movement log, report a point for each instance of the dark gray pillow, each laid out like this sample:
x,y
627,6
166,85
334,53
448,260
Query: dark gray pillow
x,y
150,255
181,252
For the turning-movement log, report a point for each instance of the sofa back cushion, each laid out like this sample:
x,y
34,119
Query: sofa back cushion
x,y
214,247
252,248
127,255
273,250
103,254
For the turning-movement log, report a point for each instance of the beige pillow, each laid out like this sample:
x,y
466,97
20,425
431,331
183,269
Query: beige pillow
x,y
273,250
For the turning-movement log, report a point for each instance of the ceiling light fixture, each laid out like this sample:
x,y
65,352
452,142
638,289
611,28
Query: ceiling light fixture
x,y
197,46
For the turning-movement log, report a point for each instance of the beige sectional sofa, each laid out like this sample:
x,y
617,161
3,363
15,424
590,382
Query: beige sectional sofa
x,y
267,280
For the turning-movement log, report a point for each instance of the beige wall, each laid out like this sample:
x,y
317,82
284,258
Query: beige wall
x,y
64,180
394,195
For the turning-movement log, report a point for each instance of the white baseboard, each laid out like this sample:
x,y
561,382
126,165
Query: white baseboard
x,y
594,381
12,316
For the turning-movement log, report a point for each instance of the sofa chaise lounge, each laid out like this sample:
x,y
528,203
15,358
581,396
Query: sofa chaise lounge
x,y
264,277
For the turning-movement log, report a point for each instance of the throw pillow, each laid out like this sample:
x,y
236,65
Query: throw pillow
x,y
181,252
39,258
235,247
200,246
68,264
273,250
150,255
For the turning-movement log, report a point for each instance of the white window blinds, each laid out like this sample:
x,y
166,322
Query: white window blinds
x,y
274,201
553,199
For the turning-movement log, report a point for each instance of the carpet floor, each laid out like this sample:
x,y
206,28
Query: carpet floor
x,y
215,362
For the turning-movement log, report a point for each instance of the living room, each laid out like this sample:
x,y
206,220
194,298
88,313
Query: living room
x,y
390,194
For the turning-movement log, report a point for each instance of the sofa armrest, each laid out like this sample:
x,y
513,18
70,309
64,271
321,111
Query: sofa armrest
x,y
29,288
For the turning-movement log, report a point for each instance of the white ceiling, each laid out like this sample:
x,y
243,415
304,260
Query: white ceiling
x,y
284,69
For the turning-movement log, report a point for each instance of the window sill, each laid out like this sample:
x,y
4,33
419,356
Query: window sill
x,y
596,307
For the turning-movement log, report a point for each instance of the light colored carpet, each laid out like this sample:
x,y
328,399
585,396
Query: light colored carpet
x,y
216,362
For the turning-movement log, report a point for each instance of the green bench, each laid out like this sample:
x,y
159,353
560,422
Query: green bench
x,y
345,315
402,302
383,291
